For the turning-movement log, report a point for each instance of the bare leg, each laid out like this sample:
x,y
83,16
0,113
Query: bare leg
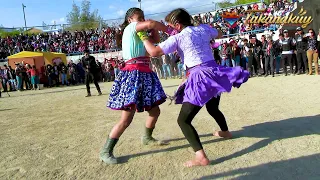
x,y
154,113
120,127
106,153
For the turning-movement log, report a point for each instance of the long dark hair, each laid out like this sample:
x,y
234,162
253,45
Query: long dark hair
x,y
129,14
314,33
180,16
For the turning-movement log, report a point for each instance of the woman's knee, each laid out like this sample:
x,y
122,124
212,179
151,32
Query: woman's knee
x,y
126,118
186,115
212,109
182,121
213,106
154,112
124,123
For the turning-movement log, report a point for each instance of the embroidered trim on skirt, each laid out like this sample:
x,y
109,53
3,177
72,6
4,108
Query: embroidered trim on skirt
x,y
136,86
209,80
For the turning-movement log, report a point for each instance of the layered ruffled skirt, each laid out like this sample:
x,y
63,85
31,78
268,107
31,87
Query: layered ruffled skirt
x,y
136,86
209,80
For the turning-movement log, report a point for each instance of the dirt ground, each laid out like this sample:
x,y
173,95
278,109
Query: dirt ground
x,y
57,134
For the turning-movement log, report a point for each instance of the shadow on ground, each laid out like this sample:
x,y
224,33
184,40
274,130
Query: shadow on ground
x,y
170,86
299,168
124,159
306,167
62,89
7,109
270,131
275,130
55,90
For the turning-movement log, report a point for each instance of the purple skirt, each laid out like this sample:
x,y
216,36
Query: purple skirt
x,y
209,80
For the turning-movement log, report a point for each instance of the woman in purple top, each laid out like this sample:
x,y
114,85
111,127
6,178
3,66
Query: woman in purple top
x,y
206,79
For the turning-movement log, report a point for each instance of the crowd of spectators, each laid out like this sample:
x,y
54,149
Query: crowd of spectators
x,y
20,77
215,19
110,37
64,42
232,54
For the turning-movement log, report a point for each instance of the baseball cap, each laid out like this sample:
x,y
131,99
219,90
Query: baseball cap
x,y
299,29
252,36
285,31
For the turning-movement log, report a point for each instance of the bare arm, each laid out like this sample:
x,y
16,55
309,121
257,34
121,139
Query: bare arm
x,y
150,24
153,50
155,37
168,46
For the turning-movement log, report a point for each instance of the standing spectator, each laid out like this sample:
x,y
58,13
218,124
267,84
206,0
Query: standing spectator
x,y
12,79
312,52
103,69
225,55
34,77
302,44
257,52
157,66
173,64
64,71
263,52
50,74
56,71
244,54
27,76
181,71
116,67
166,66
236,55
4,77
81,72
269,57
278,49
73,73
99,70
91,69
252,62
109,72
287,44
19,76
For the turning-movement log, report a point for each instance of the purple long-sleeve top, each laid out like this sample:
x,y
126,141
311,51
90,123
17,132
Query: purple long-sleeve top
x,y
192,44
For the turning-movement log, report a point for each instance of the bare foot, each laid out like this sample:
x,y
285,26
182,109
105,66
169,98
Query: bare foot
x,y
196,162
223,134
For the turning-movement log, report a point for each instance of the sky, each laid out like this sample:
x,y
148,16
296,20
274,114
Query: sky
x,y
50,11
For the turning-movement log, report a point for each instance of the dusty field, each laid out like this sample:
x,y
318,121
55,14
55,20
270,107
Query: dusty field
x,y
57,134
